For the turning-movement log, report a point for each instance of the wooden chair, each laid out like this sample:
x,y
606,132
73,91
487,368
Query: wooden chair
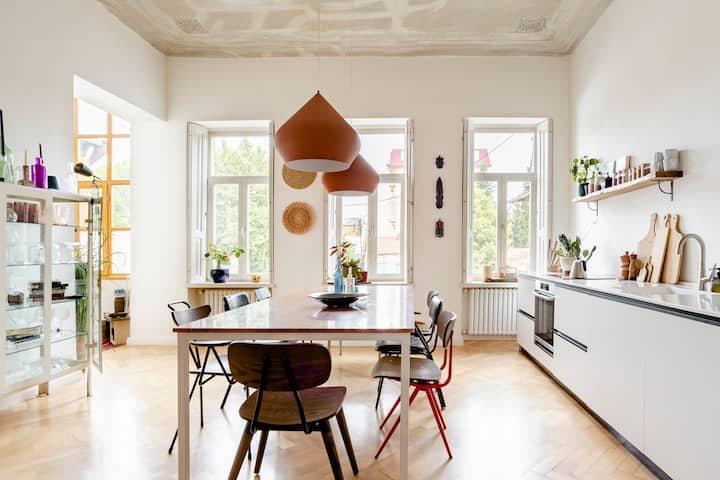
x,y
208,368
286,377
421,342
236,300
262,293
425,376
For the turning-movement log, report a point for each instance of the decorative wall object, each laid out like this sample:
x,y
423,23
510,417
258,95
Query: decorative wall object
x,y
298,218
358,180
297,179
439,197
439,161
439,228
317,138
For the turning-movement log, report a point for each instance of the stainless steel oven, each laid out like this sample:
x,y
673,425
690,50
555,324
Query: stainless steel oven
x,y
544,316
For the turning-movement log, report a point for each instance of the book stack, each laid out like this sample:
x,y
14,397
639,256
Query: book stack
x,y
37,291
21,335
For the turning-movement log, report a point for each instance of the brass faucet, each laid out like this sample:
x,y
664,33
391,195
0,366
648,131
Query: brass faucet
x,y
702,281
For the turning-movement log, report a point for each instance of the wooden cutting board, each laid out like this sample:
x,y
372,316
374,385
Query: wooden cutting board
x,y
673,259
645,246
659,249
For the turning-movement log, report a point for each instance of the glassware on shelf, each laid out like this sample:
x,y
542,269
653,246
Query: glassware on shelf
x,y
11,216
61,214
37,253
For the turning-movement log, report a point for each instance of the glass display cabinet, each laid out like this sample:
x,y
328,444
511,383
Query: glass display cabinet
x,y
51,245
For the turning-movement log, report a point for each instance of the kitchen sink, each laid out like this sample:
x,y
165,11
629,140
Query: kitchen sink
x,y
654,289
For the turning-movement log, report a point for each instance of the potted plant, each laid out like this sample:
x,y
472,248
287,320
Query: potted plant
x,y
581,169
354,264
221,255
340,251
571,251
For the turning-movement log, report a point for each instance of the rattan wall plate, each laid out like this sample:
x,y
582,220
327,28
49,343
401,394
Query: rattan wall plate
x,y
298,218
297,179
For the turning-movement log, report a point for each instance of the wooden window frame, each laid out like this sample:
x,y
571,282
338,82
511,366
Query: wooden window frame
x,y
105,187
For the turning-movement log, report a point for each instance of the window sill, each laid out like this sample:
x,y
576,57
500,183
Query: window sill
x,y
229,285
490,285
398,283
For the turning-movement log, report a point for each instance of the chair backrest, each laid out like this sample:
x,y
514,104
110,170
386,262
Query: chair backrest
x,y
446,327
287,366
434,308
280,367
181,317
430,295
235,300
262,293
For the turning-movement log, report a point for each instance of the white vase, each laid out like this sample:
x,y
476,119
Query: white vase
x,y
566,262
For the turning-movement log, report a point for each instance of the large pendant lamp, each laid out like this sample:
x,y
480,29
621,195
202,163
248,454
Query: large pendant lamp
x,y
317,138
360,179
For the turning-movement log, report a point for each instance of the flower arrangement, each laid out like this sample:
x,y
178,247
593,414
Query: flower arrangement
x,y
340,250
221,254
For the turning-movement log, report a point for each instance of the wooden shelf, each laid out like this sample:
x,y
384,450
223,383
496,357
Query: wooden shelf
x,y
645,182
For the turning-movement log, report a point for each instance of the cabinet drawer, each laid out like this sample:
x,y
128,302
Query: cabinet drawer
x,y
525,331
526,300
571,365
573,312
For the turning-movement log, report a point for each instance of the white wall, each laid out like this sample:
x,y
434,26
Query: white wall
x,y
43,44
645,79
435,92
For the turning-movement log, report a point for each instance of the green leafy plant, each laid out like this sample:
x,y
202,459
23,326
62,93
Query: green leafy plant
x,y
353,263
221,254
583,168
574,248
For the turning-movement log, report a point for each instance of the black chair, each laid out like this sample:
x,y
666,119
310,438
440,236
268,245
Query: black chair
x,y
207,368
286,377
421,342
236,300
262,293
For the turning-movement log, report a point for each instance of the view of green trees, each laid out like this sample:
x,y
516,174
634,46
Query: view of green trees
x,y
244,159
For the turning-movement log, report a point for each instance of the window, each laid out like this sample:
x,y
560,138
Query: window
x,y
239,196
504,165
102,142
377,225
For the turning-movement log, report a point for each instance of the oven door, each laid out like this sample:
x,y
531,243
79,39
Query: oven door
x,y
544,319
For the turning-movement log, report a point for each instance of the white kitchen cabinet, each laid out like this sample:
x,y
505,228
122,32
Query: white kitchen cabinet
x,y
571,365
572,315
682,395
525,331
526,300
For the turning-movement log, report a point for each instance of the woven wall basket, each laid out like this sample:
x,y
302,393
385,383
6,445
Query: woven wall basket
x,y
297,179
298,218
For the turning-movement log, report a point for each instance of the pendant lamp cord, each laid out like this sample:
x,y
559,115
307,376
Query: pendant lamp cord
x,y
350,45
317,49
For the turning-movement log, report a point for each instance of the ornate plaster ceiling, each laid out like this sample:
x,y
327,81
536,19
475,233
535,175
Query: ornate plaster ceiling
x,y
257,28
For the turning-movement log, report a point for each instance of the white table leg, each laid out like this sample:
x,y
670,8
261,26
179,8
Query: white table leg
x,y
404,404
183,445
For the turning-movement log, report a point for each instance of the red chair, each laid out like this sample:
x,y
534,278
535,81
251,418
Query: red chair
x,y
425,376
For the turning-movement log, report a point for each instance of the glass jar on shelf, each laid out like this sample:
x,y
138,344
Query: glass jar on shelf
x,y
37,253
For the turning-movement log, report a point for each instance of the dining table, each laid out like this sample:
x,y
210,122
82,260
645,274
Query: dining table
x,y
385,312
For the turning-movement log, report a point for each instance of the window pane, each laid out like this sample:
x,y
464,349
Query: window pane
x,y
120,252
258,228
240,155
120,126
355,227
120,198
503,152
484,225
389,228
384,151
93,153
91,120
121,159
226,219
518,225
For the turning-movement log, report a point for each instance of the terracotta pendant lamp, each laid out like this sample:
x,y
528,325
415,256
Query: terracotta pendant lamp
x,y
360,179
317,138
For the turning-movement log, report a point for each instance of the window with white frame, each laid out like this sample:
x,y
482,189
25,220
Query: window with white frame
x,y
236,163
377,225
505,177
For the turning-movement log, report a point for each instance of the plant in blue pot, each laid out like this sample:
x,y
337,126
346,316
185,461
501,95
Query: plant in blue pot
x,y
221,255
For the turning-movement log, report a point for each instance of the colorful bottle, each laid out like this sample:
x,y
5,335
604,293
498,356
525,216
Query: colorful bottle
x,y
338,276
39,173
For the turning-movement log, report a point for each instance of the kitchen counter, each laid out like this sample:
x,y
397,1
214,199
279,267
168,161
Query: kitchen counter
x,y
677,300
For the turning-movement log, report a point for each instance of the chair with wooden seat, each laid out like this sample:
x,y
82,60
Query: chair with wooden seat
x,y
288,397
236,300
425,376
209,367
262,293
421,342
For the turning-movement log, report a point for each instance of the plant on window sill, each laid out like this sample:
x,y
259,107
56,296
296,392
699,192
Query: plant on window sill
x,y
221,255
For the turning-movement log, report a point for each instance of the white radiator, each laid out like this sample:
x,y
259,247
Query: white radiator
x,y
214,296
491,311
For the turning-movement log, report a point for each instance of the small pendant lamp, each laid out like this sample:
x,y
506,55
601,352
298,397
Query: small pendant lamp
x,y
360,179
317,138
